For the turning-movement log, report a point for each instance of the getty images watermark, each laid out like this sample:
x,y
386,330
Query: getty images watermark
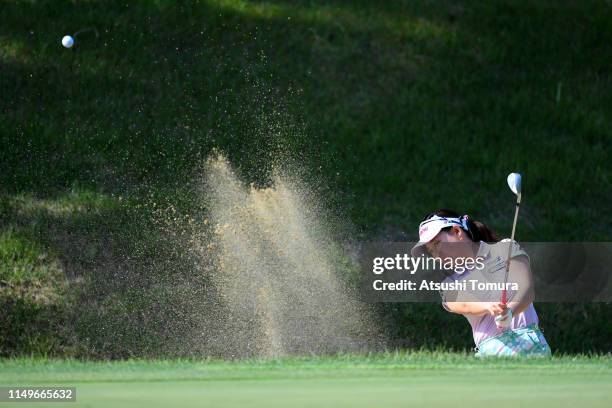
x,y
457,265
557,271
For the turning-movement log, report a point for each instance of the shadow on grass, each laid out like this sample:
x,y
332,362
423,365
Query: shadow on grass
x,y
125,286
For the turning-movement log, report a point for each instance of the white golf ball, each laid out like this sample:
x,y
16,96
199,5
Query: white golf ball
x,y
67,41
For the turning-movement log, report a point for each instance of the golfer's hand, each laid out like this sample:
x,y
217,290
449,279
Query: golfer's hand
x,y
504,320
496,308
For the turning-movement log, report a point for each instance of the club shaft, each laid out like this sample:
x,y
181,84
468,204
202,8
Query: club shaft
x,y
504,297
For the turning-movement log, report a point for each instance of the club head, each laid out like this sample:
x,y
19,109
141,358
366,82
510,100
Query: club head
x,y
514,182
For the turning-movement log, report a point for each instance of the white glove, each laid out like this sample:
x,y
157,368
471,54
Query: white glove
x,y
504,321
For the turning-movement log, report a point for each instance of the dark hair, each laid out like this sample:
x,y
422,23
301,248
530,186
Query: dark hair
x,y
477,230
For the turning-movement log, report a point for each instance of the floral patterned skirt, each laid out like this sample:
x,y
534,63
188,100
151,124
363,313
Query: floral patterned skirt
x,y
526,341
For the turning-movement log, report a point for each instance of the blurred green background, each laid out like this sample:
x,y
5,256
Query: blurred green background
x,y
388,109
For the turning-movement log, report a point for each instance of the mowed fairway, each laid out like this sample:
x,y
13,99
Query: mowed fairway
x,y
390,380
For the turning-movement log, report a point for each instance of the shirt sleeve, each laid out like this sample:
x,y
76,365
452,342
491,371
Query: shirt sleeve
x,y
445,298
516,250
444,305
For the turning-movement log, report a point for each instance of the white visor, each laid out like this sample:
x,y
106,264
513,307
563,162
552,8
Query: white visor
x,y
429,228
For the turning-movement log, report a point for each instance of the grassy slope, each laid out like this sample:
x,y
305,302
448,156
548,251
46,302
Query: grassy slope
x,y
393,109
388,379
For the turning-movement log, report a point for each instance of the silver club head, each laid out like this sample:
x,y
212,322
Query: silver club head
x,y
514,182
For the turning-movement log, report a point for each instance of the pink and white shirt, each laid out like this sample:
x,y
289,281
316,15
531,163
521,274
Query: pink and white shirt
x,y
495,256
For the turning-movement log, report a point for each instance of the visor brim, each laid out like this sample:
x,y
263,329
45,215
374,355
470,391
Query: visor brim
x,y
419,249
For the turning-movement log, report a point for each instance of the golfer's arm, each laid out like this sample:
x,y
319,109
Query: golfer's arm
x,y
472,308
521,274
466,303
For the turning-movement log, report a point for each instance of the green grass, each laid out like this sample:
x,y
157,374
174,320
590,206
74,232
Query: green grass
x,y
391,379
391,109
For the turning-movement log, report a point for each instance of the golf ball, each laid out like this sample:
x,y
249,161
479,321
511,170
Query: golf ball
x,y
67,41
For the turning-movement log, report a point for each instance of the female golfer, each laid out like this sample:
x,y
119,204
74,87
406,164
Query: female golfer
x,y
499,329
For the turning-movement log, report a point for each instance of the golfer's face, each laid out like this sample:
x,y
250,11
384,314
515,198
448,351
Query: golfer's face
x,y
444,245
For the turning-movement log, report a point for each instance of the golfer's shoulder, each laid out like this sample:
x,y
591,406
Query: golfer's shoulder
x,y
500,249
